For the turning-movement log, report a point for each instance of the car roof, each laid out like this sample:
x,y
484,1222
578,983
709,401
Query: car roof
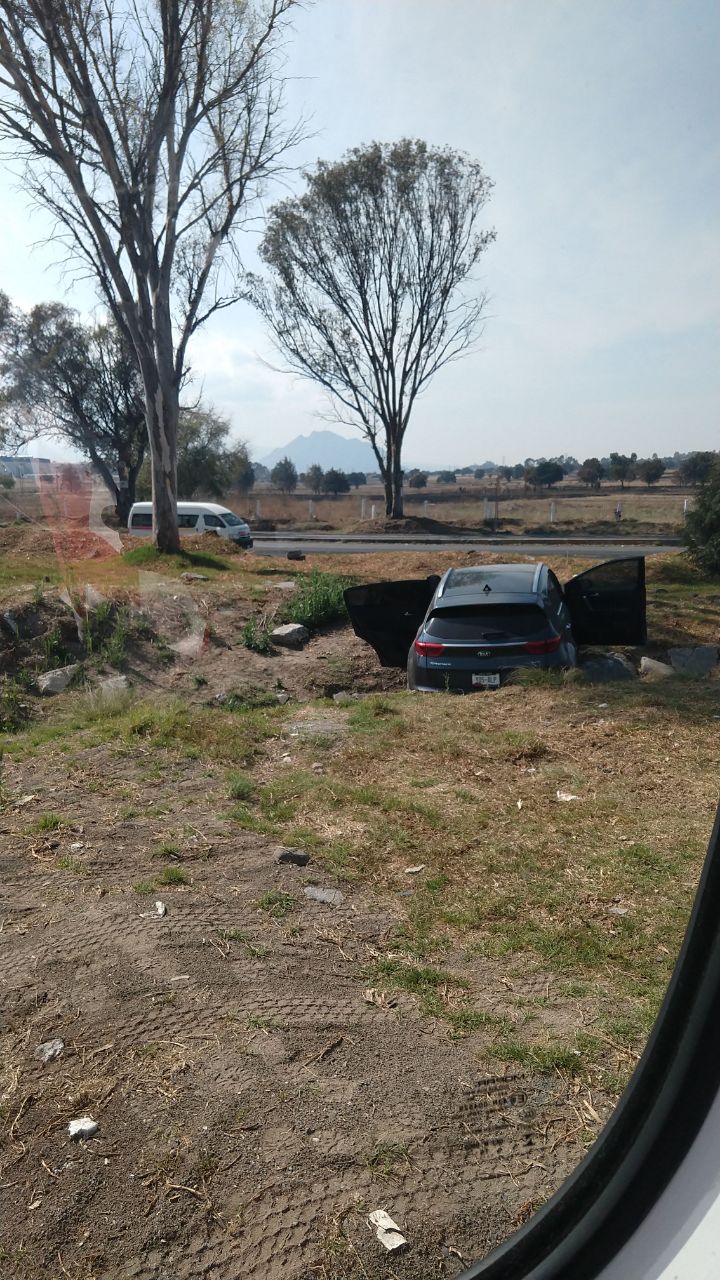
x,y
188,508
491,582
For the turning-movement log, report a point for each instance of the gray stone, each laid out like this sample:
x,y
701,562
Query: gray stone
x,y
603,670
344,698
296,555
56,681
49,1050
93,597
331,897
654,670
696,661
194,577
293,857
283,697
111,686
291,636
289,585
10,624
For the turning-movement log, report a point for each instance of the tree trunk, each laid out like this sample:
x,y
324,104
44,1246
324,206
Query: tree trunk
x,y
393,474
162,412
397,487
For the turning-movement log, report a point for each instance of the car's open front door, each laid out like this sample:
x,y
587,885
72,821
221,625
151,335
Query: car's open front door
x,y
607,603
388,614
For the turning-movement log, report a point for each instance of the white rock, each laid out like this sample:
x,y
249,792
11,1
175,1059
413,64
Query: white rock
x,y
49,1050
292,636
157,914
58,680
387,1231
653,669
566,795
84,1127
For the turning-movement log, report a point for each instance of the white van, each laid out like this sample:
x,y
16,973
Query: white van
x,y
195,517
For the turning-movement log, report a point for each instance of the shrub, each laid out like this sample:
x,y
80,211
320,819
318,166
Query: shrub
x,y
702,525
255,636
318,600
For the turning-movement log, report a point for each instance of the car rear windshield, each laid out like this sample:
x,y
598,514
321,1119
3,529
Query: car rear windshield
x,y
487,622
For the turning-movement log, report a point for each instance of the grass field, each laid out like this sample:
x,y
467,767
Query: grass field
x,y
266,1069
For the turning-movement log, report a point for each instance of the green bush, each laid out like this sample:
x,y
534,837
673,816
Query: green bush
x,y
318,600
255,636
13,711
702,525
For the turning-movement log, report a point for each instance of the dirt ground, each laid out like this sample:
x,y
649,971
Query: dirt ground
x,y
254,1100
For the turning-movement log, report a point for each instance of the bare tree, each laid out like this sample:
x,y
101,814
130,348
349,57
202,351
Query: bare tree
x,y
371,283
60,377
147,127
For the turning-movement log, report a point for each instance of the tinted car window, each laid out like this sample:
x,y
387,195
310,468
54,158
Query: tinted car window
x,y
187,522
230,519
213,522
142,520
486,622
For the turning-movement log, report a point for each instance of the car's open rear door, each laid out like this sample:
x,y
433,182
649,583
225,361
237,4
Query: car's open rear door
x,y
387,615
607,603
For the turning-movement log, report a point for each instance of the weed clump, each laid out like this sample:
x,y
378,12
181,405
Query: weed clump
x,y
276,903
256,636
318,600
14,713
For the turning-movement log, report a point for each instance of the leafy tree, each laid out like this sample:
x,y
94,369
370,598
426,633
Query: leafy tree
x,y
207,463
241,471
479,473
545,474
356,478
622,467
335,482
446,477
591,473
418,480
370,283
284,476
202,441
506,473
147,128
518,471
79,383
314,478
697,468
650,470
702,524
7,482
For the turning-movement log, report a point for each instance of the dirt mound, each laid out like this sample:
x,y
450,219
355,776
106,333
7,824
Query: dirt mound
x,y
415,524
30,540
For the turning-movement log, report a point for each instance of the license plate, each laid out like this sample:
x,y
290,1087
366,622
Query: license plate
x,y
486,679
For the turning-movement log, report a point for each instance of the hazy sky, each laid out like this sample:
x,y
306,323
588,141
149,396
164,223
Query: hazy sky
x,y
599,123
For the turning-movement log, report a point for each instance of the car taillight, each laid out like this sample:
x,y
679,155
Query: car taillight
x,y
543,646
427,650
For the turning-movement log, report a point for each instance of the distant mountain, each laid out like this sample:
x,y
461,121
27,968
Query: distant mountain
x,y
327,449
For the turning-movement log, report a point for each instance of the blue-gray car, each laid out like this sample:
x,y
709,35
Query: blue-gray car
x,y
468,629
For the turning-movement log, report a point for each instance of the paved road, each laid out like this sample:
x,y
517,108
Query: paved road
x,y
279,546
